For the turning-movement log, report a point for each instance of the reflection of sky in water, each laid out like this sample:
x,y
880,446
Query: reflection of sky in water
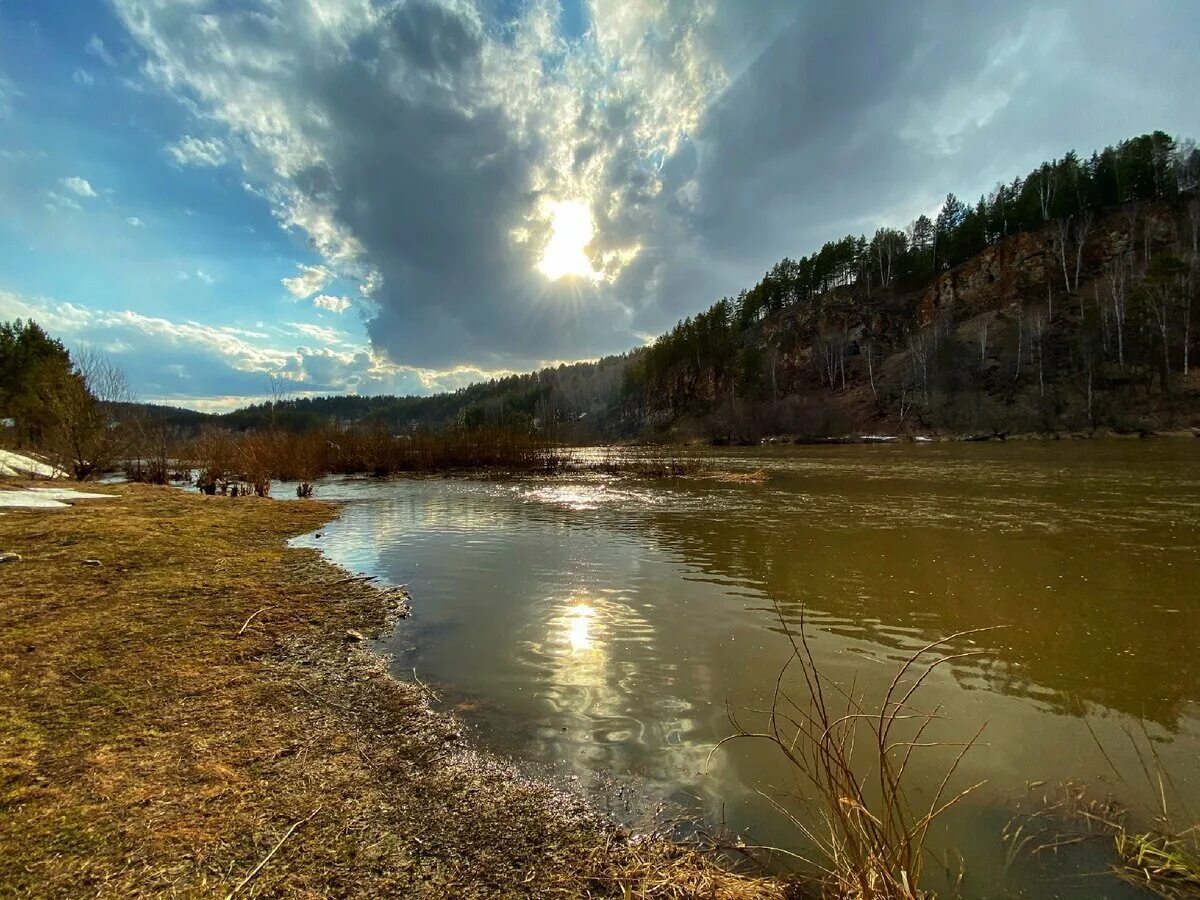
x,y
601,626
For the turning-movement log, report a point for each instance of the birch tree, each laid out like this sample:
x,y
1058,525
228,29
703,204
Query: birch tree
x,y
1082,226
1117,282
1037,326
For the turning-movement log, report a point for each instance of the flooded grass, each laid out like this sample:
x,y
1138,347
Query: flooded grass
x,y
1154,843
248,462
186,708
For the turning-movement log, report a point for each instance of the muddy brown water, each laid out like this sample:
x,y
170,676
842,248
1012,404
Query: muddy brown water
x,y
602,629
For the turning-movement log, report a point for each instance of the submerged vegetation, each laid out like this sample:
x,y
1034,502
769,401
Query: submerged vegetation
x,y
1154,839
223,458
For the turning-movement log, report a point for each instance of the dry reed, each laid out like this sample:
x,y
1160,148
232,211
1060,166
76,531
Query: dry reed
x,y
871,840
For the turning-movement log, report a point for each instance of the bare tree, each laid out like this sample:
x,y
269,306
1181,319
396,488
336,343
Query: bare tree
x,y
831,355
982,334
1187,316
870,348
1045,181
1160,298
1117,286
922,348
1163,293
1037,326
1082,227
1064,234
88,435
1020,342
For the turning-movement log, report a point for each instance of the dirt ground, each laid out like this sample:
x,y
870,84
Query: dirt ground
x,y
183,711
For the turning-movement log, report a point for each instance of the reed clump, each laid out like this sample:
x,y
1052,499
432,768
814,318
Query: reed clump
x,y
868,839
1155,838
228,461
650,463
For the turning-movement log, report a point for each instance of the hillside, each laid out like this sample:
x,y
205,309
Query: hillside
x,y
1062,327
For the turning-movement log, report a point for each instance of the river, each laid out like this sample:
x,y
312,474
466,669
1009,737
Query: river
x,y
603,630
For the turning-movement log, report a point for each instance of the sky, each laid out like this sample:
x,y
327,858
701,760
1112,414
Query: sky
x,y
405,196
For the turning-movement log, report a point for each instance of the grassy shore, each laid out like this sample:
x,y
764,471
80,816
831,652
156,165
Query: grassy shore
x,y
184,710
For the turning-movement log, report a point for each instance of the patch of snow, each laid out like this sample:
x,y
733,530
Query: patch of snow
x,y
15,465
46,498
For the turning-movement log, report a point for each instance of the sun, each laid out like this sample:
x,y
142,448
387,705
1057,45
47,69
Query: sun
x,y
571,230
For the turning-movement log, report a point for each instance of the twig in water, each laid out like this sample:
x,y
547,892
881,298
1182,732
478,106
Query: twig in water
x,y
287,834
363,578
425,688
251,619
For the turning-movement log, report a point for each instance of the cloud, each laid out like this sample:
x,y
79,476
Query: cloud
x,y
421,147
8,93
421,150
330,303
83,77
318,332
192,151
58,202
204,276
205,366
96,48
135,222
79,186
310,280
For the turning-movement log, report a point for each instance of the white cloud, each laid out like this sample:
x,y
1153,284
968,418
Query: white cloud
x,y
318,332
58,201
83,77
204,276
310,280
135,221
79,186
225,367
96,48
8,93
330,303
193,151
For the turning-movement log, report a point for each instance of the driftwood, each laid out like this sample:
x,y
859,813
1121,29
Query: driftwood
x,y
287,834
251,619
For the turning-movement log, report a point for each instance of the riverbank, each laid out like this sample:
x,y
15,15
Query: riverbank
x,y
955,438
185,707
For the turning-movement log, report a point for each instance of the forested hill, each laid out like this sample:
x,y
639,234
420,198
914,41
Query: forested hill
x,y
1061,300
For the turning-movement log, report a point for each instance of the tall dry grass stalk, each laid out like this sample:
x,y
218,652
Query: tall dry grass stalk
x,y
867,837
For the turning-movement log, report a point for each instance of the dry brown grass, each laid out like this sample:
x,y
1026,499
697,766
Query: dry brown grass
x,y
182,712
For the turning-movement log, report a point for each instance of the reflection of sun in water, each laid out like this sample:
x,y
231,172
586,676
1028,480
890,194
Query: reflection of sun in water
x,y
571,230
579,627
